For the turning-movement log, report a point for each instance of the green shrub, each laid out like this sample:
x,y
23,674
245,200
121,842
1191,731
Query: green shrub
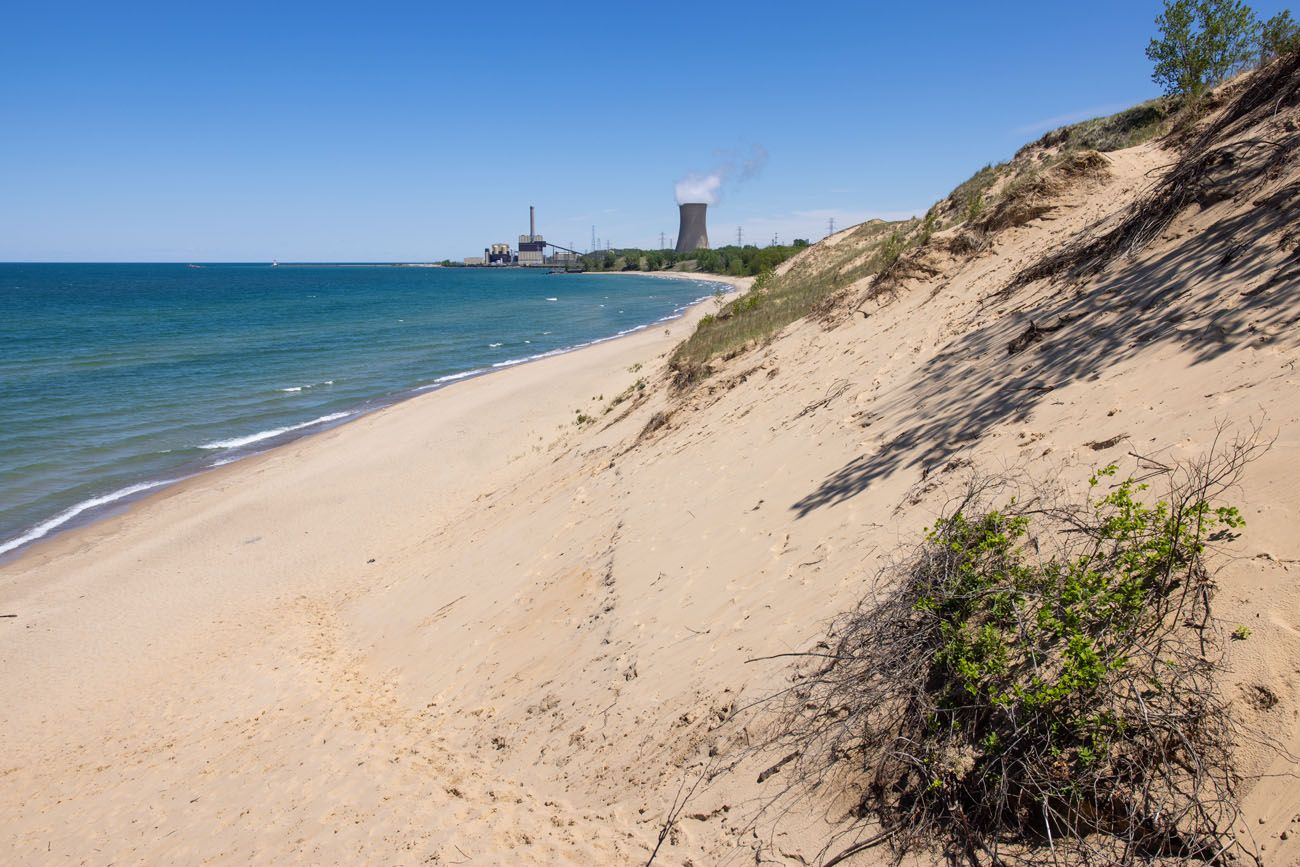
x,y
969,194
1037,679
929,226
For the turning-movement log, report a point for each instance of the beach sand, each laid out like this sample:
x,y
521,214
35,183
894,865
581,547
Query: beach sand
x,y
181,682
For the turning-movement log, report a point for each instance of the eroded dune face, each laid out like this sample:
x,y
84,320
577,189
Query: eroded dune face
x,y
466,628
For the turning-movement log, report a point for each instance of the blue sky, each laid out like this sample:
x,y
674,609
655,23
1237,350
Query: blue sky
x,y
413,132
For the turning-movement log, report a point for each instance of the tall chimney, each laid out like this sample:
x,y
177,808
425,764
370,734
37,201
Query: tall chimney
x,y
532,225
692,234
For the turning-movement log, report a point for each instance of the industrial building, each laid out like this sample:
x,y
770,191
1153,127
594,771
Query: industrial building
x,y
532,248
692,232
531,253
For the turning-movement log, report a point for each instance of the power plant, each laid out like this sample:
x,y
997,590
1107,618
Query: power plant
x,y
532,248
692,233
530,254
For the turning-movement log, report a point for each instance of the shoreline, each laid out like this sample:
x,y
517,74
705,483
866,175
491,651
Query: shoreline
x,y
105,507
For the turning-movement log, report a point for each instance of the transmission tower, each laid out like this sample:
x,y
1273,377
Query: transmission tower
x,y
661,240
740,236
830,227
593,238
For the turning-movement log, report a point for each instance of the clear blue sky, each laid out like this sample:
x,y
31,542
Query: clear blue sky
x,y
410,132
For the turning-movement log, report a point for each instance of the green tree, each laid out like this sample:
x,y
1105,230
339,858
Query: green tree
x,y
1201,43
1279,35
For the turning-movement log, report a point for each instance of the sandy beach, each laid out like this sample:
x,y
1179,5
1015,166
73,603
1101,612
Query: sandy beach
x,y
125,629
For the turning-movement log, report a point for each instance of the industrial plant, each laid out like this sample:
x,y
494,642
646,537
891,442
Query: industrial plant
x,y
531,252
692,232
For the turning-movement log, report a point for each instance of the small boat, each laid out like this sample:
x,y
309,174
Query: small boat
x,y
192,265
275,263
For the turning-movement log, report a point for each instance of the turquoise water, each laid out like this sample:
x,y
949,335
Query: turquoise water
x,y
117,379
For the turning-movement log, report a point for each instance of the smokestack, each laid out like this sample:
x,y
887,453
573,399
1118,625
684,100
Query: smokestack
x,y
532,225
692,234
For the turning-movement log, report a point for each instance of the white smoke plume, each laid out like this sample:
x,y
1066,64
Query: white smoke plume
x,y
708,188
699,188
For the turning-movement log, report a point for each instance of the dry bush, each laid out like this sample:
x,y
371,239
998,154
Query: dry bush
x,y
1084,164
1038,683
1032,193
968,242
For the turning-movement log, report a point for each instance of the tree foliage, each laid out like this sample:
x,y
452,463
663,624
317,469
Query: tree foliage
x,y
1201,43
1278,35
747,261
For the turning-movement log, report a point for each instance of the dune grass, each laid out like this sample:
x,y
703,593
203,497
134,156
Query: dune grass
x,y
1125,129
777,300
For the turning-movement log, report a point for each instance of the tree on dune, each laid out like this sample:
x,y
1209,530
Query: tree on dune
x,y
1201,43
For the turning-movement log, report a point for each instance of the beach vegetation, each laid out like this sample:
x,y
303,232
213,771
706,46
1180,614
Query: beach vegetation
x,y
1200,43
929,225
779,297
1037,680
737,261
969,197
1124,129
1278,35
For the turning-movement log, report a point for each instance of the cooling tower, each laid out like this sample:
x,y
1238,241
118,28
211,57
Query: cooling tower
x,y
692,234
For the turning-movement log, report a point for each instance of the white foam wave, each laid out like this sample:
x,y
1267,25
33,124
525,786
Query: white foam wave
x,y
68,514
307,386
511,362
452,377
493,345
552,299
275,432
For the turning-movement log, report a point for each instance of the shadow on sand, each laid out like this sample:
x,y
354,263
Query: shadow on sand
x,y
1223,288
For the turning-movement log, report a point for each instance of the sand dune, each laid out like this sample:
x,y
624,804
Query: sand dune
x,y
468,629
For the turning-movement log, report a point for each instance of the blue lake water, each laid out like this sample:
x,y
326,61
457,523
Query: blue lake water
x,y
116,379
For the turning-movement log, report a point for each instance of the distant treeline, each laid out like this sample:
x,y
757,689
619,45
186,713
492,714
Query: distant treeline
x,y
747,261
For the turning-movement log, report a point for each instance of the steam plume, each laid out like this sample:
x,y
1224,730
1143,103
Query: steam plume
x,y
699,188
707,188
